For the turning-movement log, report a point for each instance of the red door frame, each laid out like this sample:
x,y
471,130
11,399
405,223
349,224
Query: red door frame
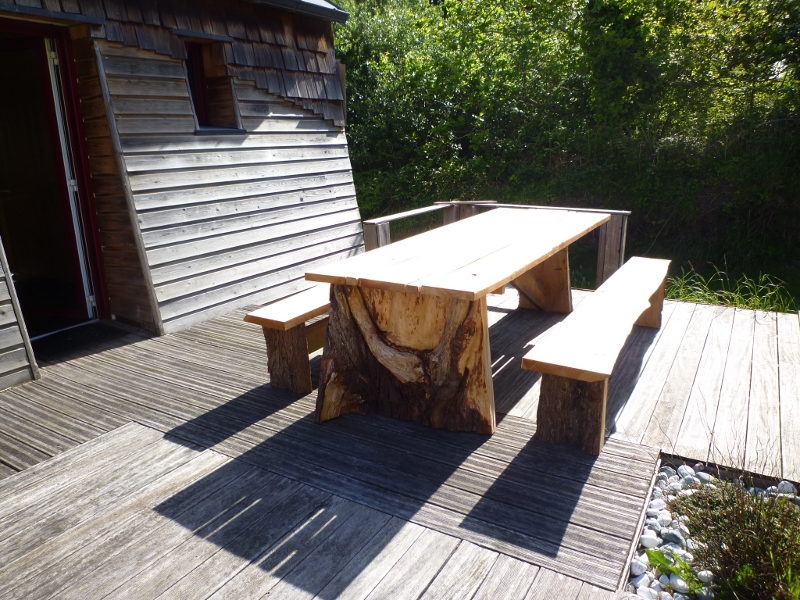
x,y
77,141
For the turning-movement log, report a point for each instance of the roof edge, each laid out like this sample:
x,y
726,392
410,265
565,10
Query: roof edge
x,y
336,13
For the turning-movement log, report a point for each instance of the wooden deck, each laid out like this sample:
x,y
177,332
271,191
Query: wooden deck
x,y
177,470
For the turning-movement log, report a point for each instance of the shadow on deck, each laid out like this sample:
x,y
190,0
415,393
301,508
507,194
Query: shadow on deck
x,y
265,501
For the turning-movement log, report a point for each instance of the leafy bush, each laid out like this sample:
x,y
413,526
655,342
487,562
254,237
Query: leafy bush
x,y
764,293
750,542
686,112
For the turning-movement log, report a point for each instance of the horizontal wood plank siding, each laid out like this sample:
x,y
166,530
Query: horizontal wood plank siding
x,y
126,283
226,220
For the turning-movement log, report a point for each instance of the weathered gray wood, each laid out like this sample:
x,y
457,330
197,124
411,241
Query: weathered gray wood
x,y
634,418
633,361
763,448
228,561
67,559
264,571
730,426
572,412
508,578
331,557
412,573
789,371
375,560
171,544
662,431
462,575
376,235
611,247
549,584
694,437
104,67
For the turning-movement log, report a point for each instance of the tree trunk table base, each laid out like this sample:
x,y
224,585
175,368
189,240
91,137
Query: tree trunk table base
x,y
407,356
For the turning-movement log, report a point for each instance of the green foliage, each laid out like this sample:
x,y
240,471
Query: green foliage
x,y
674,565
750,542
683,111
764,293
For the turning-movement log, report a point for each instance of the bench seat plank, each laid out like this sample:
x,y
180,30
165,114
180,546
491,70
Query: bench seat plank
x,y
294,310
586,344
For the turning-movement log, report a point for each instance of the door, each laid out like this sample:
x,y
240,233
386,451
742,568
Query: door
x,y
40,220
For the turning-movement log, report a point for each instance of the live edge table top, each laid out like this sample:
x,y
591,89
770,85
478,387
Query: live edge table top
x,y
467,259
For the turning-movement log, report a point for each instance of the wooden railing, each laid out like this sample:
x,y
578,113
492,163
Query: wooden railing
x,y
611,242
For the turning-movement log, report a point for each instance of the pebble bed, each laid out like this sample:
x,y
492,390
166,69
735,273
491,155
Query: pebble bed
x,y
669,534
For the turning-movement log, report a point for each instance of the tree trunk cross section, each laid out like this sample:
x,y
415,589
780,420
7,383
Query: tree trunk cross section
x,y
408,356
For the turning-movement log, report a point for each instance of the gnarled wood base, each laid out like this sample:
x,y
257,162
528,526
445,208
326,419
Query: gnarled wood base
x,y
408,356
573,412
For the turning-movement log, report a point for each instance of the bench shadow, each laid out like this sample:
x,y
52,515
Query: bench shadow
x,y
309,476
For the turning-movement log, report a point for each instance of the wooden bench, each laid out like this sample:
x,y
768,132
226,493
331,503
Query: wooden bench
x,y
576,356
289,339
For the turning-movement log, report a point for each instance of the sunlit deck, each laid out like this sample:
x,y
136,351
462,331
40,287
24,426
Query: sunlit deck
x,y
178,471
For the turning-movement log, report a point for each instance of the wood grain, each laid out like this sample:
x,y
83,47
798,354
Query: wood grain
x,y
434,370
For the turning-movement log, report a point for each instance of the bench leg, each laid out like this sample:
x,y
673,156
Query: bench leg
x,y
652,316
546,286
287,359
573,412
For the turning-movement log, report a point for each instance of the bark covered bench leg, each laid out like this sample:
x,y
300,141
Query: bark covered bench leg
x,y
287,355
572,411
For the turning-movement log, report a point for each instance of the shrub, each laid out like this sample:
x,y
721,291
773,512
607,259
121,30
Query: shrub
x,y
751,542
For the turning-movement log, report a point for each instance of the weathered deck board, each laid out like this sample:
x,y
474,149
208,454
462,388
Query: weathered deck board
x,y
359,506
789,371
701,409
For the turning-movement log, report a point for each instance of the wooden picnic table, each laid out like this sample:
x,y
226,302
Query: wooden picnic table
x,y
408,333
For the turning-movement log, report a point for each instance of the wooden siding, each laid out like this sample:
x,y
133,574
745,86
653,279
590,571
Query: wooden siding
x,y
226,220
17,363
287,54
126,282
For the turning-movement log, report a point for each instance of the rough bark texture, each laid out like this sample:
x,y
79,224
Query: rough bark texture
x,y
408,356
287,359
573,412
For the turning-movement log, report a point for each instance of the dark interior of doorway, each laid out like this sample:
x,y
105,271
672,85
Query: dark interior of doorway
x,y
35,214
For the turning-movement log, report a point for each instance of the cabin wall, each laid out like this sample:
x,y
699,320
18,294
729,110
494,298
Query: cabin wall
x,y
224,220
126,283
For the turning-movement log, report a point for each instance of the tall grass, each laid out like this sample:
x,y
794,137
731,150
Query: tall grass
x,y
765,293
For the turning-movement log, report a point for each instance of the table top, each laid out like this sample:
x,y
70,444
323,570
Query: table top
x,y
467,259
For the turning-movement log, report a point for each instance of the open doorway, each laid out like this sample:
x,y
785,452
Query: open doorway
x,y
40,210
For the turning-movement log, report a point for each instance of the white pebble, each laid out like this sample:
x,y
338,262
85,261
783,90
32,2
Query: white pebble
x,y
646,592
637,567
643,580
685,471
705,576
664,518
678,584
657,504
786,487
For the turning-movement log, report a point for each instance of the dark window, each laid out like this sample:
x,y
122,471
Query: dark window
x,y
198,85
